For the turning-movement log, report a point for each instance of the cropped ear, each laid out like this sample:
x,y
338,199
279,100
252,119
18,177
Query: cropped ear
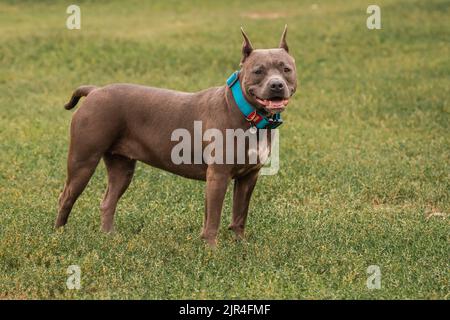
x,y
283,43
246,47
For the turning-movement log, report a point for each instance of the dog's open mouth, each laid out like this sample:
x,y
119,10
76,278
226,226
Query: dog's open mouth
x,y
273,104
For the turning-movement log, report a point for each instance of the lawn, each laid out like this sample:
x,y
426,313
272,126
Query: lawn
x,y
364,157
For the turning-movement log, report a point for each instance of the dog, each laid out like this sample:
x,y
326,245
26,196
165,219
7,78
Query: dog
x,y
125,123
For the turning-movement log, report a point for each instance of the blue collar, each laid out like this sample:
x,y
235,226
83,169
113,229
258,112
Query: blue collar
x,y
251,115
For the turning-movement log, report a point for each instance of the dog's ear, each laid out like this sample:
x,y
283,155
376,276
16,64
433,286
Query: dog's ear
x,y
246,47
283,43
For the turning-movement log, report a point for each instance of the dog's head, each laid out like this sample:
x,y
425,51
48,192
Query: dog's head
x,y
268,76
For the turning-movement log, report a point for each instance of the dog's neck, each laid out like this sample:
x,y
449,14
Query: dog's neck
x,y
255,116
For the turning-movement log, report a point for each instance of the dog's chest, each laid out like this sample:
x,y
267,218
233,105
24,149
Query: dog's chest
x,y
257,155
260,151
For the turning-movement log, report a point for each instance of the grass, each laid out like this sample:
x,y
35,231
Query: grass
x,y
365,153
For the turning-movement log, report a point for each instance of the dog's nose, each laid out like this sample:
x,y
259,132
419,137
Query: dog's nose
x,y
276,85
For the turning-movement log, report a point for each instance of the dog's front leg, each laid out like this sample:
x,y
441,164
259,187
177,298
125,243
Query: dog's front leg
x,y
216,186
243,188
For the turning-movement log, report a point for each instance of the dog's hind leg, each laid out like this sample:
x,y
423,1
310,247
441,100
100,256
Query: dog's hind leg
x,y
120,172
88,142
78,174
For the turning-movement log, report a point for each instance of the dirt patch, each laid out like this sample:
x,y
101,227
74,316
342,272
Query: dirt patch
x,y
265,15
435,212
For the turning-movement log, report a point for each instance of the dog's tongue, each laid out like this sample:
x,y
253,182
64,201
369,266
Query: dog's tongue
x,y
274,104
277,104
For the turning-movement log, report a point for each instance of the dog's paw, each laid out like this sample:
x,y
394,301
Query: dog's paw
x,y
209,240
238,232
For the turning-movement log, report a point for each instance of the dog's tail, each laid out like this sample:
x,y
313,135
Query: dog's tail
x,y
82,91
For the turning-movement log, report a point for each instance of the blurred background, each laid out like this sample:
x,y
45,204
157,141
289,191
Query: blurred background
x,y
364,175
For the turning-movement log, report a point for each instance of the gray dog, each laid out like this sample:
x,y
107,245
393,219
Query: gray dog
x,y
124,123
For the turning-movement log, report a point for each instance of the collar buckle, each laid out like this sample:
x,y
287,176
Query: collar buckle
x,y
251,116
233,79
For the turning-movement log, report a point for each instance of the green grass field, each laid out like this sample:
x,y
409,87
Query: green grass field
x,y
365,153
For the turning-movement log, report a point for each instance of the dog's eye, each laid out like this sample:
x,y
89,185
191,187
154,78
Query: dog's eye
x,y
287,70
257,71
